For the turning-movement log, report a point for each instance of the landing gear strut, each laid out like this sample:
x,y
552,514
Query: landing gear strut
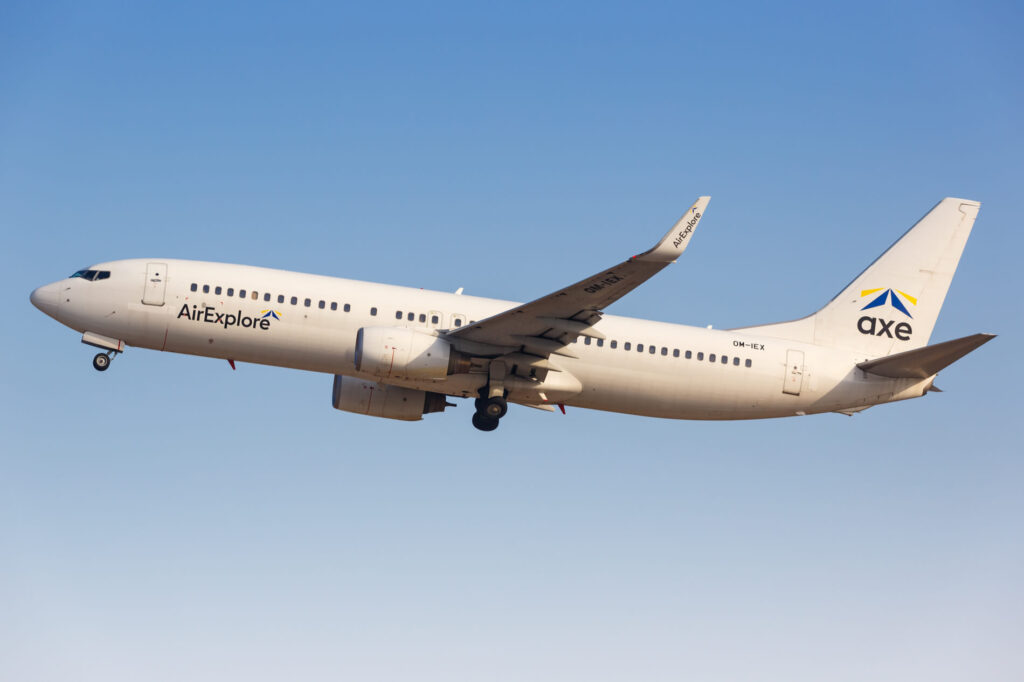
x,y
102,361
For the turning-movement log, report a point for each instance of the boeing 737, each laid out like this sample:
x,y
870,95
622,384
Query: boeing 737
x,y
400,353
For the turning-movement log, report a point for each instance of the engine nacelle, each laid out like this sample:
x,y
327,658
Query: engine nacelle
x,y
400,353
381,400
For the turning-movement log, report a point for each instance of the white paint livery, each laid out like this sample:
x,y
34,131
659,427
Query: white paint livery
x,y
397,352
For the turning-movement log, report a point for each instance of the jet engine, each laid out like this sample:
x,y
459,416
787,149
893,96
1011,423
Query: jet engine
x,y
381,400
400,353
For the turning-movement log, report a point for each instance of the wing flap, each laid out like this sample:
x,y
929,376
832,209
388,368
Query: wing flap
x,y
922,363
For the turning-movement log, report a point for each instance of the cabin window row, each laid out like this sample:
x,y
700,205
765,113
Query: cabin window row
x,y
652,349
435,318
267,298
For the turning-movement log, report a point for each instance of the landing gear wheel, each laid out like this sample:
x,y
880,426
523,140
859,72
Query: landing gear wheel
x,y
483,422
101,362
494,407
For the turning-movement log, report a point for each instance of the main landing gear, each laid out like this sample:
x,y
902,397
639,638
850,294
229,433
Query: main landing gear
x,y
488,412
491,406
102,361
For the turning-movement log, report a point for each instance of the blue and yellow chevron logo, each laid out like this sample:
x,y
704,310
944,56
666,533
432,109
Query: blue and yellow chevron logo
x,y
270,313
895,297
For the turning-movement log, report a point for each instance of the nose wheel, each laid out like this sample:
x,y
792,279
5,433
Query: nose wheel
x,y
101,361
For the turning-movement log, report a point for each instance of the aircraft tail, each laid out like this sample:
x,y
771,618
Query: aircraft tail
x,y
892,306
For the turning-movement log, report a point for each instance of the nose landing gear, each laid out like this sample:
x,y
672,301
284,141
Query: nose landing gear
x,y
102,361
111,347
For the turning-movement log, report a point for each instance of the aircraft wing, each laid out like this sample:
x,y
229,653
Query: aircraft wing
x,y
548,324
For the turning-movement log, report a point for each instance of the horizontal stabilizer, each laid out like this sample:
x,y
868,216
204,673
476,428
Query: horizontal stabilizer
x,y
922,363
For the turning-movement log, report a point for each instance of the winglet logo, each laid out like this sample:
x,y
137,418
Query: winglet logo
x,y
894,300
271,314
876,326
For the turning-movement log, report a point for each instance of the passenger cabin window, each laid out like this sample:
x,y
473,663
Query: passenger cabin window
x,y
334,305
295,300
347,307
231,292
254,296
322,305
411,317
689,354
373,311
586,340
266,297
398,314
434,319
653,350
423,318
206,288
700,356
626,346
600,342
241,293
736,362
711,358
194,286
280,298
675,352
217,291
639,348
614,344
306,302
725,359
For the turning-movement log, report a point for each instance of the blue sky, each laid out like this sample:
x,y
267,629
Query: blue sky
x,y
171,519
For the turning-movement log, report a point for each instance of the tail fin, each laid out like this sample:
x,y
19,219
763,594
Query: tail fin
x,y
892,306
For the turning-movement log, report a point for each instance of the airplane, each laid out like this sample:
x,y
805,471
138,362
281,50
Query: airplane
x,y
401,353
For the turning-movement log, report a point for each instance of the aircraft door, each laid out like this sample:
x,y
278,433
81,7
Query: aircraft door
x,y
156,284
794,380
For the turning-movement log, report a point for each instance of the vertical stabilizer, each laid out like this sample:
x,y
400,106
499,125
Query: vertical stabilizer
x,y
892,306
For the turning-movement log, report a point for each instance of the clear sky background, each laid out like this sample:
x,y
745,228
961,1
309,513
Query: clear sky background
x,y
174,520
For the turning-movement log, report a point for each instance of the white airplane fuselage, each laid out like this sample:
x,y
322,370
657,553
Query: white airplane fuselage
x,y
692,373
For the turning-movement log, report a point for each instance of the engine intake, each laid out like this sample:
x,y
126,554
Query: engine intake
x,y
382,400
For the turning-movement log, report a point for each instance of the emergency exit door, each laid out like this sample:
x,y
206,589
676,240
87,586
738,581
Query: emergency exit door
x,y
156,284
794,372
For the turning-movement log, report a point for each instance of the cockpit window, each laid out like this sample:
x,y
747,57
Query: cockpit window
x,y
92,274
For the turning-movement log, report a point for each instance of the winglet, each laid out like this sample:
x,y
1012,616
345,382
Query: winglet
x,y
674,243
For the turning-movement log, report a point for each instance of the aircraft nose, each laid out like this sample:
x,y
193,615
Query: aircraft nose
x,y
45,298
